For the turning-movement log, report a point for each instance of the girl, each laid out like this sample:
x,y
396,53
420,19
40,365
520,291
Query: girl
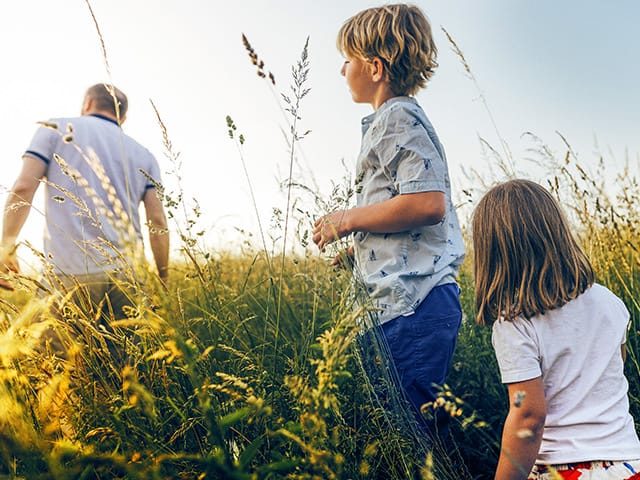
x,y
559,339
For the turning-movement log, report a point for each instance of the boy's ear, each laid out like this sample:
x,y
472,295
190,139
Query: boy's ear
x,y
377,70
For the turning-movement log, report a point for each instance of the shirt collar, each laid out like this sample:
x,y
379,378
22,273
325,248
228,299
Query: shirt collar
x,y
104,117
385,105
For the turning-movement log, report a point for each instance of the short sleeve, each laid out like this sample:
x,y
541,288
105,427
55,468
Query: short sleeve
x,y
43,144
517,351
408,154
153,172
626,316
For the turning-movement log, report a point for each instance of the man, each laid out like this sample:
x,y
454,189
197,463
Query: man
x,y
95,177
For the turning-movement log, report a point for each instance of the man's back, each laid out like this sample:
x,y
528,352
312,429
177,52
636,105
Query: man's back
x,y
94,185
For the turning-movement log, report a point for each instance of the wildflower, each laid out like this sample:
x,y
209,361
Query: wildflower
x,y
426,472
371,449
51,125
255,60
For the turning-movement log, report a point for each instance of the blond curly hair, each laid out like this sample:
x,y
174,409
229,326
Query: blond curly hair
x,y
400,36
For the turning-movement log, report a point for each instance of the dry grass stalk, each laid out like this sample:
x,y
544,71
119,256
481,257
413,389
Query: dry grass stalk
x,y
255,60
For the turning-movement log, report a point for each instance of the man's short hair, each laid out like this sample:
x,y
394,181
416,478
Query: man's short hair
x,y
400,36
109,99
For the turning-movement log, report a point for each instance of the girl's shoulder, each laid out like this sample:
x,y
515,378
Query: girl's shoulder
x,y
599,298
594,303
594,300
597,309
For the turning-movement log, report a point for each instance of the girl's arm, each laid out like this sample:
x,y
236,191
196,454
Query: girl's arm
x,y
522,432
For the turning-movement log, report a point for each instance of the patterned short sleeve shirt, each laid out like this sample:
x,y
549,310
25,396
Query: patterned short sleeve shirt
x,y
401,154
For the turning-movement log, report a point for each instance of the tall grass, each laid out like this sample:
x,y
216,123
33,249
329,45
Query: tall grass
x,y
203,392
246,368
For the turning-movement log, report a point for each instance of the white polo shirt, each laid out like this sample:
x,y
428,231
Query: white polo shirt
x,y
576,351
94,186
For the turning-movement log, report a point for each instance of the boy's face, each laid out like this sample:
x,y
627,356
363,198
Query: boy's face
x,y
361,79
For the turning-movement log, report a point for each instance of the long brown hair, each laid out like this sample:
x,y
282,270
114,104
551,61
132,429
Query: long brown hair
x,y
527,262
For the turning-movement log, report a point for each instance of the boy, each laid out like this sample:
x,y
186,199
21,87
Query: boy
x,y
407,241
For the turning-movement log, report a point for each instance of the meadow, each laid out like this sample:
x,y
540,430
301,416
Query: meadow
x,y
246,366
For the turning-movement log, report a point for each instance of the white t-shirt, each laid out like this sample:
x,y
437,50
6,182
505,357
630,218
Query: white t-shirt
x,y
576,350
93,194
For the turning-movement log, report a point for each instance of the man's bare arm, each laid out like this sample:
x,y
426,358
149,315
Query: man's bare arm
x,y
158,232
18,203
16,211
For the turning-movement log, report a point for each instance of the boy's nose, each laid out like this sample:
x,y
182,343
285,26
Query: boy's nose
x,y
343,69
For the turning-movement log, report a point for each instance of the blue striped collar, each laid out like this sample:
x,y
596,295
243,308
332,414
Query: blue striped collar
x,y
104,117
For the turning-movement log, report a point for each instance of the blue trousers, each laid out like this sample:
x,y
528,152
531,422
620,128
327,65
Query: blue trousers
x,y
420,347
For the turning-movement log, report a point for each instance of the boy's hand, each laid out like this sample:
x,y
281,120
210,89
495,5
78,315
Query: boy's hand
x,y
330,228
344,259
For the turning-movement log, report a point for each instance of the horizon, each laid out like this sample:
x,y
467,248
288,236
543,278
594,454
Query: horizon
x,y
574,77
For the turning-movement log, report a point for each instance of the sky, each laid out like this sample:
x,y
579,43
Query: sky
x,y
542,67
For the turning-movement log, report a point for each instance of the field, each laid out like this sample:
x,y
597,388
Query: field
x,y
246,367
